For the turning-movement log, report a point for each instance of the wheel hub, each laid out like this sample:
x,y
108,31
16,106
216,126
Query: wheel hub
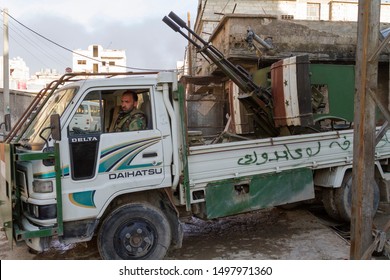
x,y
136,238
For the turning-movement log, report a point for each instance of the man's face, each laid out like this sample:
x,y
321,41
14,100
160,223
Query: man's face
x,y
127,103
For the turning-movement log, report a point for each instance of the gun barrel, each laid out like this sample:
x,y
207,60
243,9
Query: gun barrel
x,y
238,75
182,24
251,35
176,28
171,24
177,19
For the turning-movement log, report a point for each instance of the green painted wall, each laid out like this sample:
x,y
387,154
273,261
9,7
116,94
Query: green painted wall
x,y
340,80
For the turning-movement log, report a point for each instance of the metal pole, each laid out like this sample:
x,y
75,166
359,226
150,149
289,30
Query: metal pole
x,y
364,133
189,46
7,115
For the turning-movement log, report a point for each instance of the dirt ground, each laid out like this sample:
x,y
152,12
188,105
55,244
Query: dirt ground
x,y
298,234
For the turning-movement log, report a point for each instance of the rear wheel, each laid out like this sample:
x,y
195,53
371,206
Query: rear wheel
x,y
329,203
343,197
134,231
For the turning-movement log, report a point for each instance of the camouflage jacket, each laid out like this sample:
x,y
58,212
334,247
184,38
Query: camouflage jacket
x,y
129,121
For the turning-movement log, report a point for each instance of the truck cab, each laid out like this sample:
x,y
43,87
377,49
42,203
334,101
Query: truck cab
x,y
96,169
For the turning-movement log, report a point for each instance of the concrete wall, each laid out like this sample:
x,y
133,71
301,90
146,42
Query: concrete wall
x,y
19,102
331,41
211,11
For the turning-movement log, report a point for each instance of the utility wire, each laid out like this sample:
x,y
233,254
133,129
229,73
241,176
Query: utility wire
x,y
27,50
22,40
55,53
38,46
47,39
73,52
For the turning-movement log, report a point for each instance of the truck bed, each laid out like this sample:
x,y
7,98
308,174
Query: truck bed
x,y
246,158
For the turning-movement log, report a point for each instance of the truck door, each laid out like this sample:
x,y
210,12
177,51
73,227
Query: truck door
x,y
6,190
103,162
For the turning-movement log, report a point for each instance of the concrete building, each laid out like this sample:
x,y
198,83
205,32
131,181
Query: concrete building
x,y
41,79
20,79
18,76
210,12
97,60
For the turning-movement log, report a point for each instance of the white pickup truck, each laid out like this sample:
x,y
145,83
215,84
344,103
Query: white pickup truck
x,y
128,188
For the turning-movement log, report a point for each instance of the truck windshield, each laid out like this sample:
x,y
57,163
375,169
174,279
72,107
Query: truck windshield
x,y
56,104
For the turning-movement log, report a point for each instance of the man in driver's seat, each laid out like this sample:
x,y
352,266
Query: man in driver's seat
x,y
130,118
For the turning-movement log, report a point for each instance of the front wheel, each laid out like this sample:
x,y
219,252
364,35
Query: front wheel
x,y
134,231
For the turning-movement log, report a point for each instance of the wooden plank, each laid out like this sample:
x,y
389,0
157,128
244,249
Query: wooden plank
x,y
364,133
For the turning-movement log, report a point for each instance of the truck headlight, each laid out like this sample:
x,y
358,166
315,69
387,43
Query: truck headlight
x,y
42,186
42,212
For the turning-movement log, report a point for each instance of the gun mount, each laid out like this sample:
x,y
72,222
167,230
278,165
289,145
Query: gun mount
x,y
257,100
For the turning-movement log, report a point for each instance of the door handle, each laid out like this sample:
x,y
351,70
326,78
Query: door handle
x,y
149,155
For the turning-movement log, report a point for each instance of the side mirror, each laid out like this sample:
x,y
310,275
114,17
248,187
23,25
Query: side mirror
x,y
55,126
7,121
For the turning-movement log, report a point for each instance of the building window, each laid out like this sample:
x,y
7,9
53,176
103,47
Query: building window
x,y
81,62
95,68
313,11
95,51
287,17
112,63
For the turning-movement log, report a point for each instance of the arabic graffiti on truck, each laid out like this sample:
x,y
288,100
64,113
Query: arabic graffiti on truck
x,y
289,153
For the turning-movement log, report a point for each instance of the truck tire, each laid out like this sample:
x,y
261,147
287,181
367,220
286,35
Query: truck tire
x,y
329,203
134,231
343,197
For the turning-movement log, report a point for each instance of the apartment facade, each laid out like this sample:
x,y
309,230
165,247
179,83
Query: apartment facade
x,y
210,12
18,76
96,59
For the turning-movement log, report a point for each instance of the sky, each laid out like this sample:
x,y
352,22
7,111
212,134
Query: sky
x,y
132,25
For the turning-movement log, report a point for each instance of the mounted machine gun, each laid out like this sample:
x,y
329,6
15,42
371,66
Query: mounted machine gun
x,y
257,100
